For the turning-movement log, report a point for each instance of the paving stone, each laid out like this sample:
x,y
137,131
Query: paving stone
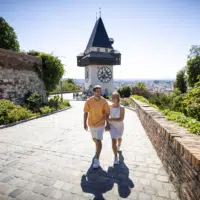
x,y
38,188
163,193
173,195
162,178
47,191
67,187
144,196
144,181
5,188
25,195
16,193
36,197
58,184
7,179
57,194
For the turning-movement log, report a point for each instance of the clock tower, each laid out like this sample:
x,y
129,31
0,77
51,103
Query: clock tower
x,y
98,59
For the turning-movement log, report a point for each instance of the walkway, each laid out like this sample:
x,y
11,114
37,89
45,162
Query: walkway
x,y
50,158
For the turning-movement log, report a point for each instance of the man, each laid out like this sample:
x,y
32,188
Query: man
x,y
96,112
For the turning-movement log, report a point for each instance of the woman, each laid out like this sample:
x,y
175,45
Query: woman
x,y
116,124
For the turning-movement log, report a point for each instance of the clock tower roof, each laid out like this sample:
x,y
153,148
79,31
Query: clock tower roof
x,y
99,36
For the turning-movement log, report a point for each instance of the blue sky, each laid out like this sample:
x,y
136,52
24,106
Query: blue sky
x,y
154,36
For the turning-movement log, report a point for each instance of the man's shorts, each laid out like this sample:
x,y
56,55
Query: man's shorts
x,y
97,133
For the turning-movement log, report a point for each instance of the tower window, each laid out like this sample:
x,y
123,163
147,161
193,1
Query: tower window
x,y
106,50
98,49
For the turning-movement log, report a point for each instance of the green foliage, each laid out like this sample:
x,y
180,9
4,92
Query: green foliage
x,y
180,82
57,103
124,91
69,85
11,113
140,85
140,89
46,110
192,101
191,124
34,101
176,99
193,70
52,69
125,103
54,102
161,100
64,104
140,98
194,52
144,100
8,38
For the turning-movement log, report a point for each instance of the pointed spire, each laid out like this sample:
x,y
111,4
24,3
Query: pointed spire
x,y
99,12
99,36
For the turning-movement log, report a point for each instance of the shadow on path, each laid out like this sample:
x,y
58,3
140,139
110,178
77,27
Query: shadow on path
x,y
120,175
98,181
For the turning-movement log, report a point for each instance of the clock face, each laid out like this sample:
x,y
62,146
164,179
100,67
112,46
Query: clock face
x,y
86,74
104,74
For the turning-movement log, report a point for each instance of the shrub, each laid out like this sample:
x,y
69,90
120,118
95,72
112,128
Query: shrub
x,y
192,102
140,98
191,124
57,103
64,104
161,100
54,102
11,113
140,89
46,110
34,101
124,103
124,91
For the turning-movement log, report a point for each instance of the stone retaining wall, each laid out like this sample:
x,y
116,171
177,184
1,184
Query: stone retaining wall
x,y
178,150
20,74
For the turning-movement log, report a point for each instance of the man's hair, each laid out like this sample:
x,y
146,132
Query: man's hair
x,y
96,87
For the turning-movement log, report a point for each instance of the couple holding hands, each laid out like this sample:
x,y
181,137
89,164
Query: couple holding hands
x,y
97,112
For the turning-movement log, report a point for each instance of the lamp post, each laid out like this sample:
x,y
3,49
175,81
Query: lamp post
x,y
61,90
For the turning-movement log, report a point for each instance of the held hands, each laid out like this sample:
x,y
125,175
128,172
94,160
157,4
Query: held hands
x,y
107,127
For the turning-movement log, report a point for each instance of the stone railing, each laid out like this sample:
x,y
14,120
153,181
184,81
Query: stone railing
x,y
178,150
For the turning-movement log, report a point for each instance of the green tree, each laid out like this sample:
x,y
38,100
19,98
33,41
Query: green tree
x,y
124,91
52,69
140,85
180,82
8,38
194,52
193,70
140,89
192,101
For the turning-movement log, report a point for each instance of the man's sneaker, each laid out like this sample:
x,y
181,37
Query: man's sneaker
x,y
118,148
116,161
95,163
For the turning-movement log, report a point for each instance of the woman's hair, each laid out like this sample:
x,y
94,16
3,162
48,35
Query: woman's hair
x,y
116,95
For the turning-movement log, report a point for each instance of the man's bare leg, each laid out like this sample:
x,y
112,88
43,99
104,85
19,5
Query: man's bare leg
x,y
98,148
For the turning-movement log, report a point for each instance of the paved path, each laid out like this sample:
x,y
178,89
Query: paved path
x,y
50,158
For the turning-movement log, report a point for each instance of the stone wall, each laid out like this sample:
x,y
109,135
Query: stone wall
x,y
178,150
19,74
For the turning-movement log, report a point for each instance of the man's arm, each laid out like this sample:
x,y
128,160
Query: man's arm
x,y
85,121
